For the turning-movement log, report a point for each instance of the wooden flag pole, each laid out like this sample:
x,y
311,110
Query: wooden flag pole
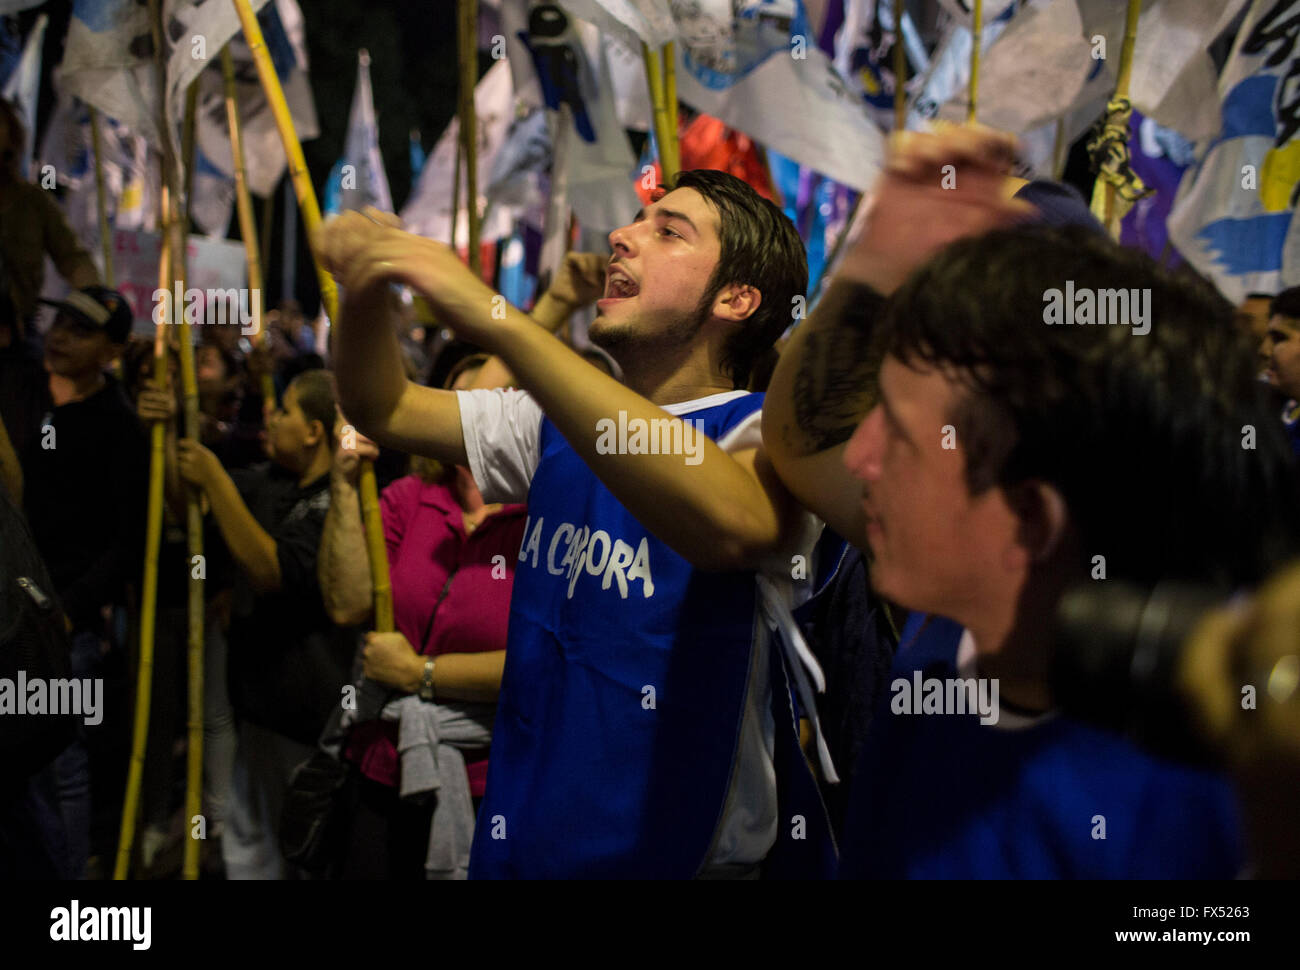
x,y
244,207
153,526
665,114
674,147
101,203
149,591
310,209
976,42
467,57
1110,146
187,148
177,239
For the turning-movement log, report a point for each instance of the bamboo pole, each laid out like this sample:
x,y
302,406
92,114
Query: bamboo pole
x,y
177,240
153,527
1116,127
467,57
187,148
310,208
665,125
244,207
149,593
101,202
670,105
976,42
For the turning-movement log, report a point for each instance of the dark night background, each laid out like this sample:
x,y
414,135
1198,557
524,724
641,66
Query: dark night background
x,y
413,71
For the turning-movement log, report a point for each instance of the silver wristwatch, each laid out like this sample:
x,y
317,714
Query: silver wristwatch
x,y
426,681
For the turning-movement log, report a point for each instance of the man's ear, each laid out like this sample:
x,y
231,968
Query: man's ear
x,y
315,432
738,301
1043,515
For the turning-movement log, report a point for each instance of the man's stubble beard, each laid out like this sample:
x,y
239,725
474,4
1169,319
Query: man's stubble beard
x,y
634,350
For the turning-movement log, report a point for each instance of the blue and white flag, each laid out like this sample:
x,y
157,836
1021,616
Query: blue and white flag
x,y
131,177
107,59
428,210
264,157
23,85
1234,216
755,65
358,179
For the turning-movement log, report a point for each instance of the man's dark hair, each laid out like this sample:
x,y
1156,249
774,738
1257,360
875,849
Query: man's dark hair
x,y
1148,437
317,397
1286,303
761,248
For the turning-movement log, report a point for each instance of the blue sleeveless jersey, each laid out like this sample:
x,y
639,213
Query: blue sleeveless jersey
x,y
941,796
625,680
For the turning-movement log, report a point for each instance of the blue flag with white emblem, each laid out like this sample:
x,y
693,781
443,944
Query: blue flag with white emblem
x,y
1234,217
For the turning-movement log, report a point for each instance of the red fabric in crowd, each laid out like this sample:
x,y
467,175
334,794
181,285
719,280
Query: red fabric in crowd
x,y
708,143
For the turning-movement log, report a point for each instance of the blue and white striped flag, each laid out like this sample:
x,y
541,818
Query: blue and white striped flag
x,y
1234,216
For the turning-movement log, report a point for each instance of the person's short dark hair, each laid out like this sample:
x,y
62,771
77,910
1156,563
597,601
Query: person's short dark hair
x,y
317,398
759,247
300,365
467,363
1144,435
446,360
1286,304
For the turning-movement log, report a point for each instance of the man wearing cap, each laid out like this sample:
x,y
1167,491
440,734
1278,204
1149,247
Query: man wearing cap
x,y
85,487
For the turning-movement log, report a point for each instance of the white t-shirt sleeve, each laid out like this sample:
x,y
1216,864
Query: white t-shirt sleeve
x,y
502,430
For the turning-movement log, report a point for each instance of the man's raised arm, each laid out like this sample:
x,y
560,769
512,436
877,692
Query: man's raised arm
x,y
367,253
825,381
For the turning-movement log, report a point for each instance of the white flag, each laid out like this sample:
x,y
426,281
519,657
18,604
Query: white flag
x,y
264,157
23,85
108,58
428,211
757,68
360,172
1234,216
130,172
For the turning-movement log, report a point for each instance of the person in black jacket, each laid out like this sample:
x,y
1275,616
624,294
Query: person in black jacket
x,y
85,471
287,663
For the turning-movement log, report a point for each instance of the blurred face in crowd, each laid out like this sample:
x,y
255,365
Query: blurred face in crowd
x,y
1282,346
935,547
291,438
76,351
659,272
210,370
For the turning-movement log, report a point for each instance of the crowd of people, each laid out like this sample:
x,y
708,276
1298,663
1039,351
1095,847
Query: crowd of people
x,y
670,608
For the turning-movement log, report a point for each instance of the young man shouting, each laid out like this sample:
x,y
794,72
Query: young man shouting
x,y
636,733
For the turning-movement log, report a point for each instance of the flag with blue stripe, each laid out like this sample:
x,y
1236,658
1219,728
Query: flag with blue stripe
x,y
1234,217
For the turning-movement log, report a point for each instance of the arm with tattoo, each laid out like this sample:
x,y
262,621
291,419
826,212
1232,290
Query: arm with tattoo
x,y
826,380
